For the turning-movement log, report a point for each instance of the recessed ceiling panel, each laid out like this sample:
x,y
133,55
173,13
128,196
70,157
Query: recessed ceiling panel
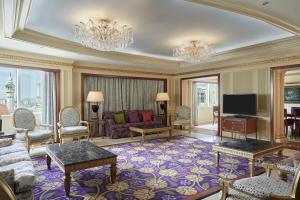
x,y
159,25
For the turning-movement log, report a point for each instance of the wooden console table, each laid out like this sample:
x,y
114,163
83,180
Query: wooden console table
x,y
243,125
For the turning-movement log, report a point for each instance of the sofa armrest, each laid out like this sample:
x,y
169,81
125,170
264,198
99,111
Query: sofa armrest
x,y
8,175
158,118
110,122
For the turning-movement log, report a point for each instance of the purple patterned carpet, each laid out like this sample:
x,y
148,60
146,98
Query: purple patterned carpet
x,y
183,168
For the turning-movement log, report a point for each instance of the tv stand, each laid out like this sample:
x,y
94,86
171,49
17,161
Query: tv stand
x,y
239,124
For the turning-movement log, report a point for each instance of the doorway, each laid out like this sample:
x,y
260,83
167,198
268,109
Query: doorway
x,y
201,94
285,103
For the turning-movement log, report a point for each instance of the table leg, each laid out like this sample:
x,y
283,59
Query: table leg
x,y
143,137
170,134
67,183
131,135
113,172
48,161
251,166
217,154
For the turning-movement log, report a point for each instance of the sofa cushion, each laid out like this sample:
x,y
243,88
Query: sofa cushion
x,y
262,186
5,142
24,175
133,117
73,130
28,195
14,157
147,116
16,147
119,118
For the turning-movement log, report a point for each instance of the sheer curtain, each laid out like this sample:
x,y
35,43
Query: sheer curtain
x,y
49,99
123,93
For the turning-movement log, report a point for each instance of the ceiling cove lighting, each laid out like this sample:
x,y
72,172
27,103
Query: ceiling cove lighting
x,y
193,52
103,35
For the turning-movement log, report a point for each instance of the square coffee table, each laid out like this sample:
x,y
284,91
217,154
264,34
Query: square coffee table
x,y
75,156
250,149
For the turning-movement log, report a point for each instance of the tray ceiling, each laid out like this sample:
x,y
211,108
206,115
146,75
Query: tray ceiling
x,y
158,25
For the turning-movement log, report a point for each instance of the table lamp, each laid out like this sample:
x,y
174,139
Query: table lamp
x,y
95,97
162,97
3,111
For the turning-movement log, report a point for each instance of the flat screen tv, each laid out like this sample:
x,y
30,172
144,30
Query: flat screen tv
x,y
239,104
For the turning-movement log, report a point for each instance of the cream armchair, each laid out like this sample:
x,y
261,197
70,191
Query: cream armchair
x,y
25,124
183,117
70,126
262,187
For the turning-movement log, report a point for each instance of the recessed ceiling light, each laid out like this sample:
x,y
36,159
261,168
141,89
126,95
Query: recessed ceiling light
x,y
265,3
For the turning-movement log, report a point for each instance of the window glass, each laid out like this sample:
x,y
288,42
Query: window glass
x,y
8,82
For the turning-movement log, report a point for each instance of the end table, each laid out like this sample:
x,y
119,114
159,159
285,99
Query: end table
x,y
95,127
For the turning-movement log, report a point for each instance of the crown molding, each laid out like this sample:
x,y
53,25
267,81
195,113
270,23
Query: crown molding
x,y
274,20
50,41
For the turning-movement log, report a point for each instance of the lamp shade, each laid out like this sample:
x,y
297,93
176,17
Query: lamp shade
x,y
163,96
95,96
3,110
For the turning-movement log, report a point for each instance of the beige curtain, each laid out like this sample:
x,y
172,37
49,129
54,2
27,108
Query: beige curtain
x,y
278,102
123,93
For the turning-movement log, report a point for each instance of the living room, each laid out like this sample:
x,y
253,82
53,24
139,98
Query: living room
x,y
94,103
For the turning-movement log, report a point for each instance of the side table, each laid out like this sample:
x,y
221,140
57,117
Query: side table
x,y
95,127
8,134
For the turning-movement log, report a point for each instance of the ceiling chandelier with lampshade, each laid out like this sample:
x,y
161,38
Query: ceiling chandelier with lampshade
x,y
194,52
103,35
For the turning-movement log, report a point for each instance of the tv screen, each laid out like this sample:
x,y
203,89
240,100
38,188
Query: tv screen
x,y
241,104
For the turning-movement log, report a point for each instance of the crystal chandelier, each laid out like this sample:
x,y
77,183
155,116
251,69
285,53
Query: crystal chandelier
x,y
104,35
193,52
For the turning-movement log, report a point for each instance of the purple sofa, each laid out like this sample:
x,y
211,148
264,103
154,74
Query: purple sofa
x,y
114,130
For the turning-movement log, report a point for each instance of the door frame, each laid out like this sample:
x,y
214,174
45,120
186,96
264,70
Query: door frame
x,y
219,92
272,69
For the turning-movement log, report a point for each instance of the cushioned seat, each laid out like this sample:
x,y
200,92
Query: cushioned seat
x,y
263,186
181,121
14,157
73,130
24,175
236,195
13,148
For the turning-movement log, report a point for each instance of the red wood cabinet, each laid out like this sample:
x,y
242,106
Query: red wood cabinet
x,y
242,125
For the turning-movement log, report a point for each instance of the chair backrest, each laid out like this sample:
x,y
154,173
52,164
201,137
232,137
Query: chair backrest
x,y
69,116
5,191
216,110
183,112
296,184
24,118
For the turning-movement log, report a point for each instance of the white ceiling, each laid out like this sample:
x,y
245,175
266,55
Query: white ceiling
x,y
159,25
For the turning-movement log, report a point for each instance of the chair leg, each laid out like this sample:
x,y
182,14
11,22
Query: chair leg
x,y
213,120
28,146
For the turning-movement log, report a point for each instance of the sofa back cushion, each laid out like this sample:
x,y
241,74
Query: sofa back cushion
x,y
119,118
133,117
147,116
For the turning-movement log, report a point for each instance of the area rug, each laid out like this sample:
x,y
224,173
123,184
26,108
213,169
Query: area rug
x,y
183,168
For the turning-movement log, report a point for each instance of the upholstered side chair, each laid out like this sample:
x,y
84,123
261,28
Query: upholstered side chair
x,y
70,125
25,124
262,187
183,117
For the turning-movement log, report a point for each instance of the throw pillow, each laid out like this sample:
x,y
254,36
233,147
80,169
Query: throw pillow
x,y
133,117
5,142
147,116
119,118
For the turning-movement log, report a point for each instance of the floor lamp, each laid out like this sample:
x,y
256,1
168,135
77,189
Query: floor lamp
x,y
163,97
95,97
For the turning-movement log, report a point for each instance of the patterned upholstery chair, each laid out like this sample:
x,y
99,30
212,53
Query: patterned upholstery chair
x,y
261,187
183,117
70,125
25,125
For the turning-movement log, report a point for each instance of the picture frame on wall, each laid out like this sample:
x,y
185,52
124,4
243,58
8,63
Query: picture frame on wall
x,y
292,94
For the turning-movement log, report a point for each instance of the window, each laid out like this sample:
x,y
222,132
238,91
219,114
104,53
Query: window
x,y
207,94
21,88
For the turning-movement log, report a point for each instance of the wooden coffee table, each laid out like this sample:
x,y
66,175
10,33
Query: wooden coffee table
x,y
250,149
150,129
75,156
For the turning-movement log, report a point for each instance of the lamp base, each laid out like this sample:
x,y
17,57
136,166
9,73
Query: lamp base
x,y
95,109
